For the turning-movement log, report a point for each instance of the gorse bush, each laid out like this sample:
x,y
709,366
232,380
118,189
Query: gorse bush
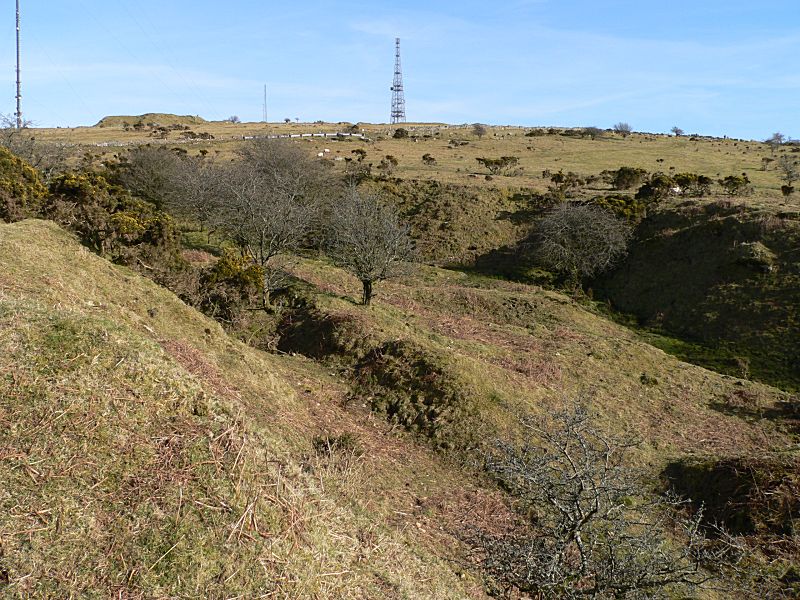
x,y
624,207
692,184
561,184
624,178
21,189
229,286
112,223
500,165
736,185
657,188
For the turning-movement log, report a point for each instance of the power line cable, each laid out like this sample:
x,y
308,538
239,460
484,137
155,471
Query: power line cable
x,y
198,96
121,45
31,33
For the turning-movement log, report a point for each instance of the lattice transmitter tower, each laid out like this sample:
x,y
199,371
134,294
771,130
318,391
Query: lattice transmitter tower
x,y
398,99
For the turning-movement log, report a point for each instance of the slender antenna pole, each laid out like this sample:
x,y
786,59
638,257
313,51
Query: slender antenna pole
x,y
265,103
19,82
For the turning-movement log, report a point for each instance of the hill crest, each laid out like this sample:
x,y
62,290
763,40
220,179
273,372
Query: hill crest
x,y
158,119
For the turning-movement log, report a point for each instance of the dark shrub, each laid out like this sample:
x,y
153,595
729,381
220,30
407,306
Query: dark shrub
x,y
657,188
625,178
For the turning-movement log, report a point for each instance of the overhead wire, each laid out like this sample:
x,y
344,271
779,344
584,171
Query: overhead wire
x,y
30,33
198,96
134,56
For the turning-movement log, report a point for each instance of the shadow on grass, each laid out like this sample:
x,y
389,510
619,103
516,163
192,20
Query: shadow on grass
x,y
201,240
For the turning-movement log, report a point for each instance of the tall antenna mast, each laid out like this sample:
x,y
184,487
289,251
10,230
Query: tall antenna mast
x,y
398,98
19,82
265,103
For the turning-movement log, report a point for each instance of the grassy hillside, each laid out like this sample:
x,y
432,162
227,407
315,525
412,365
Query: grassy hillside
x,y
191,461
502,348
455,358
722,273
455,150
145,454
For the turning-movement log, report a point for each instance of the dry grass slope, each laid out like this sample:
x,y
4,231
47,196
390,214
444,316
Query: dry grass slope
x,y
144,454
456,163
514,348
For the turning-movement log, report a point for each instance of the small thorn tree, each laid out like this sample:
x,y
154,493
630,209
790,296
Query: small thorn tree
x,y
623,129
368,239
580,240
790,169
478,130
595,531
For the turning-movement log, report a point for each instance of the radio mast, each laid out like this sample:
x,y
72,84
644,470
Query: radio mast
x,y
265,103
19,82
398,114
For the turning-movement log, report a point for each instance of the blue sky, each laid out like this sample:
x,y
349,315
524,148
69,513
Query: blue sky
x,y
709,66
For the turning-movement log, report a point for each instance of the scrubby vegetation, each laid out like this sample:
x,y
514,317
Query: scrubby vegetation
x,y
21,189
596,531
276,246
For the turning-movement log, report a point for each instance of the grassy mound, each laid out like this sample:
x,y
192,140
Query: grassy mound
x,y
145,454
159,119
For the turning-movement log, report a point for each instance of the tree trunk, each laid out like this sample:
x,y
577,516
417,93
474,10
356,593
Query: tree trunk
x,y
265,300
367,295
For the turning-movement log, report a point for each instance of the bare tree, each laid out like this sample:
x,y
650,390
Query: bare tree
x,y
48,158
368,239
677,131
789,169
580,240
150,173
199,191
271,199
284,166
775,140
623,129
267,223
595,532
479,130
